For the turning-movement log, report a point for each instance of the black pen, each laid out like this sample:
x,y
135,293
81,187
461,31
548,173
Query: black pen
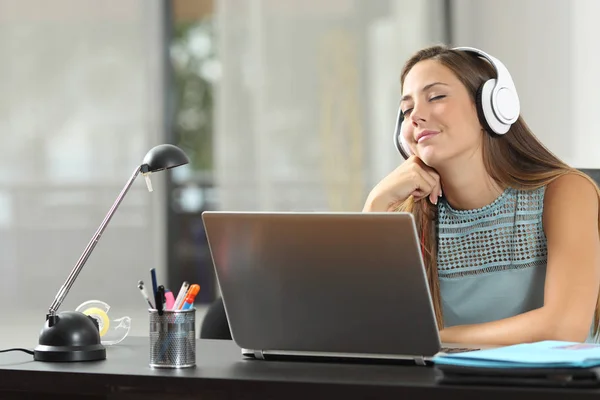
x,y
160,299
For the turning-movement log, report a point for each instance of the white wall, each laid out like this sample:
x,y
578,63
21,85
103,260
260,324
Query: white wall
x,y
550,48
308,98
81,103
585,83
391,40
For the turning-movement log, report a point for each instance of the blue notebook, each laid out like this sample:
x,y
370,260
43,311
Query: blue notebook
x,y
546,354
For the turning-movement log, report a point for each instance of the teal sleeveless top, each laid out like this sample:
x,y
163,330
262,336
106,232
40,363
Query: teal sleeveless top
x,y
492,260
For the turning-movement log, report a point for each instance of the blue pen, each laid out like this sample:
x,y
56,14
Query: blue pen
x,y
154,282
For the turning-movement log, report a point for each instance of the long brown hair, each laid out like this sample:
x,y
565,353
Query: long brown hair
x,y
517,160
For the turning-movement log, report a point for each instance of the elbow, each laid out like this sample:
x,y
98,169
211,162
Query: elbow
x,y
566,327
571,334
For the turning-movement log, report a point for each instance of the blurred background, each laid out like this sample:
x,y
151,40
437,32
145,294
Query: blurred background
x,y
280,104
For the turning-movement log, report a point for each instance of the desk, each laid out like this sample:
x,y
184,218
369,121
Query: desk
x,y
221,373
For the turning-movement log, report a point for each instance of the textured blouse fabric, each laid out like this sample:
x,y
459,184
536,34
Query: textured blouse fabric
x,y
492,260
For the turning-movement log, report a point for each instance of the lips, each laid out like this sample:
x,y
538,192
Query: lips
x,y
424,135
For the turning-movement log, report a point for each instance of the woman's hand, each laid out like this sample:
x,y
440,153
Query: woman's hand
x,y
412,177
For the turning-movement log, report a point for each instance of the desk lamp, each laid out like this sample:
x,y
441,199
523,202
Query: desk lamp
x,y
72,335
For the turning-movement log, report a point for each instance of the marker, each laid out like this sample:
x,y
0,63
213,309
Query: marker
x,y
181,295
191,295
143,292
160,299
192,289
169,300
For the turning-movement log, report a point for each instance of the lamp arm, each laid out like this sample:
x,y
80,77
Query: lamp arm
x,y
64,290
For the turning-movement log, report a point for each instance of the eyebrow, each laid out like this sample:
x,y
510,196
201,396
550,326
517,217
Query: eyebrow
x,y
426,87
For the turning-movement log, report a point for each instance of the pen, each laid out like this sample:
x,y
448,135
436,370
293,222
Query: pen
x,y
145,289
181,295
193,288
160,299
189,299
143,292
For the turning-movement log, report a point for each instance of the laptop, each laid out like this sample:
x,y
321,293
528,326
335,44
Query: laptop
x,y
324,285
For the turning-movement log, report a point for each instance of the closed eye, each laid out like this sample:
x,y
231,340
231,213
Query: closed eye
x,y
435,98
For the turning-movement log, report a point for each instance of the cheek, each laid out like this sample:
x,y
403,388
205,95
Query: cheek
x,y
465,130
445,114
407,133
458,119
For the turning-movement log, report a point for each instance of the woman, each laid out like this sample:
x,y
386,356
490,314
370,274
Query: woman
x,y
510,234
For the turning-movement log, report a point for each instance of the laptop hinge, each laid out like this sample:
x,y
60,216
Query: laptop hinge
x,y
420,360
258,354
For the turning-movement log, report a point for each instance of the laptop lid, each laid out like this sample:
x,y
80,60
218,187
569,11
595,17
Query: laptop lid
x,y
323,282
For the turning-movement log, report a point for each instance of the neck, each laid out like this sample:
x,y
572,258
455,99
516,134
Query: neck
x,y
466,185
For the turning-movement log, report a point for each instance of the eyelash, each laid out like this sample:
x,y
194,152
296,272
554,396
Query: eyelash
x,y
408,110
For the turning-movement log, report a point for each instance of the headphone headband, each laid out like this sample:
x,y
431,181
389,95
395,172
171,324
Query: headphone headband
x,y
505,102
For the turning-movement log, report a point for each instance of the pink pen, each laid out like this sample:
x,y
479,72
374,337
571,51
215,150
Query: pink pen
x,y
169,299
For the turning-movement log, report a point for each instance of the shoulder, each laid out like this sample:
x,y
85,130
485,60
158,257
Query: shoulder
x,y
570,190
570,198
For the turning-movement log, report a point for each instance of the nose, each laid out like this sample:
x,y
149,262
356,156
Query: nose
x,y
418,114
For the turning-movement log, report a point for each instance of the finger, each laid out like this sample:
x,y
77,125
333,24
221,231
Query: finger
x,y
434,198
419,195
422,190
437,190
428,186
434,181
437,186
424,181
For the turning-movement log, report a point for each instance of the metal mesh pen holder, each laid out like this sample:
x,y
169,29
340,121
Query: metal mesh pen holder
x,y
173,338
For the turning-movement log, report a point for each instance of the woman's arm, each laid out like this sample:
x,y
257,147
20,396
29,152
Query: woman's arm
x,y
570,221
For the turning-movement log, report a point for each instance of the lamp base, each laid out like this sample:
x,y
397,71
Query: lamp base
x,y
69,336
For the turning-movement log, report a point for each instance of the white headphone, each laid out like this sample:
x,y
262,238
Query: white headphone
x,y
497,103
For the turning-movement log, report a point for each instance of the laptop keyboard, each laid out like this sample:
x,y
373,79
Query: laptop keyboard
x,y
457,349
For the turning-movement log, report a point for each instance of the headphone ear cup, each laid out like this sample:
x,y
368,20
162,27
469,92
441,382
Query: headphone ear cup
x,y
399,141
487,113
403,147
480,112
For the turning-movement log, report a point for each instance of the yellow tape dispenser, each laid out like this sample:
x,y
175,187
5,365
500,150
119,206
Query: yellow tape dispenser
x,y
111,332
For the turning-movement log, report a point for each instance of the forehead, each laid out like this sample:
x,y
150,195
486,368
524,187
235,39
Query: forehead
x,y
426,72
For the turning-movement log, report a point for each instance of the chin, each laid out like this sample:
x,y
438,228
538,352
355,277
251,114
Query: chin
x,y
431,159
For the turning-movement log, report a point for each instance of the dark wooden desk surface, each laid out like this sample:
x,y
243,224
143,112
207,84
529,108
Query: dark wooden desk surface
x,y
222,373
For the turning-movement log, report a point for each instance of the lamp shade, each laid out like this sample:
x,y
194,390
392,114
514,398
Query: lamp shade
x,y
163,156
